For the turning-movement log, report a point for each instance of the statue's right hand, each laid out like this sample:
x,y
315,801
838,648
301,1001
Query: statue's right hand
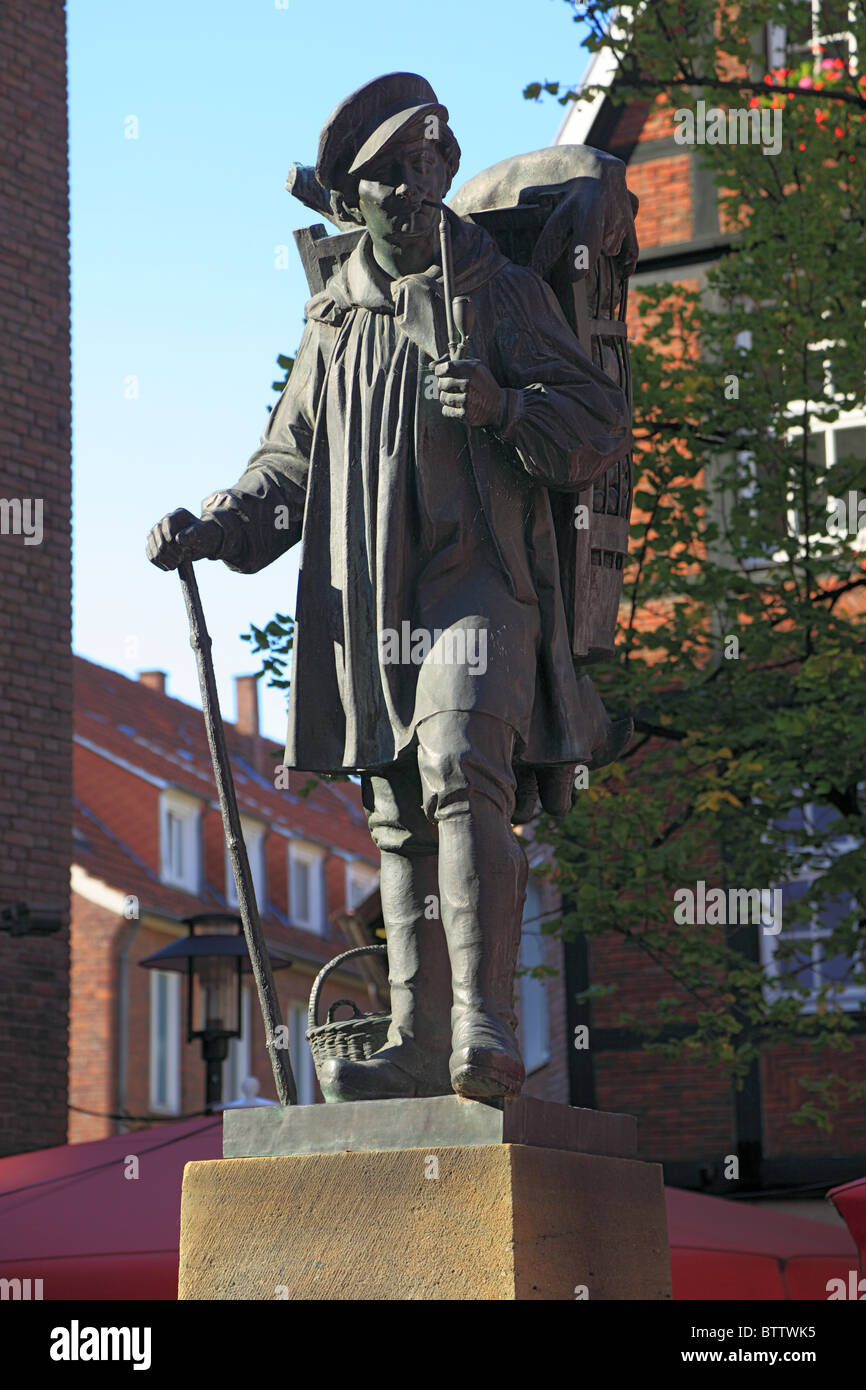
x,y
181,536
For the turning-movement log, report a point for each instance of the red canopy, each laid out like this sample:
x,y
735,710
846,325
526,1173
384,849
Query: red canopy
x,y
735,1250
850,1202
72,1217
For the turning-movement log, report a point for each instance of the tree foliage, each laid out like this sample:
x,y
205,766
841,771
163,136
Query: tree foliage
x,y
741,642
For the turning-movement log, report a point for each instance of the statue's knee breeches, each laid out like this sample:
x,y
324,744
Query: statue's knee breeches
x,y
463,756
393,802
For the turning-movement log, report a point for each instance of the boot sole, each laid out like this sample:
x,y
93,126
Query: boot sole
x,y
481,1083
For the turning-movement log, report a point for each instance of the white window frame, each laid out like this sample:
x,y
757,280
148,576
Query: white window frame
x,y
533,992
177,808
312,856
848,419
167,982
238,1062
254,833
300,1054
780,53
812,932
361,880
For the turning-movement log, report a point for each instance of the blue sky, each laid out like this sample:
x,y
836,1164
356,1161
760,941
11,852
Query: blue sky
x,y
179,307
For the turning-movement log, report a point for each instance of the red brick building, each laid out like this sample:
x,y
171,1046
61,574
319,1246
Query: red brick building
x,y
35,578
149,852
692,1119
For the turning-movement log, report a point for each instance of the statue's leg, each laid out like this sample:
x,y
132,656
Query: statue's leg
x,y
414,1059
469,790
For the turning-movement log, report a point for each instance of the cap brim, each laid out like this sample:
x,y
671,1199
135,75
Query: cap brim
x,y
385,133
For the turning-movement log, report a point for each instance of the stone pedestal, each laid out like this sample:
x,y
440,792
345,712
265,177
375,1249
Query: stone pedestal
x,y
483,1219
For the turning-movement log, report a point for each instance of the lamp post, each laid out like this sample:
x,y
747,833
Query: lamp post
x,y
213,956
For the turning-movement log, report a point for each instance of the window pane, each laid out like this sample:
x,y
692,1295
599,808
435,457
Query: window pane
x,y
793,892
301,1057
816,449
834,17
238,1068
821,817
534,1025
833,912
300,890
851,442
161,1039
799,25
799,970
838,969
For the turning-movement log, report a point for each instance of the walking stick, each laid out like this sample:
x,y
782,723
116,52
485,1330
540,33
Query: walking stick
x,y
199,640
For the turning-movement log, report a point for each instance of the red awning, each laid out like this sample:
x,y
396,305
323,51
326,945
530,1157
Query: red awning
x,y
71,1217
735,1250
850,1202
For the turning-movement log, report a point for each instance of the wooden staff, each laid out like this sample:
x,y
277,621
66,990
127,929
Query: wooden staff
x,y
199,640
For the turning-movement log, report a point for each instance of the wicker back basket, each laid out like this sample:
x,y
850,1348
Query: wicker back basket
x,y
355,1038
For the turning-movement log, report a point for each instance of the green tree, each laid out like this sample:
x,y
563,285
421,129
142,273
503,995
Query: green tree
x,y
741,652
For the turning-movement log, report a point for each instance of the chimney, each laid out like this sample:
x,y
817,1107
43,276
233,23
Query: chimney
x,y
154,680
247,724
247,702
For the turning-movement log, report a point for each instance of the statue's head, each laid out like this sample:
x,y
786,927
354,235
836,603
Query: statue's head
x,y
388,156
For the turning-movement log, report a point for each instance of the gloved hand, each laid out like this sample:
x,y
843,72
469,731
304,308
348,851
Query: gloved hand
x,y
181,536
468,391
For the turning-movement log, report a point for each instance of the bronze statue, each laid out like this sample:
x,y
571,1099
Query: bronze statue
x,y
418,450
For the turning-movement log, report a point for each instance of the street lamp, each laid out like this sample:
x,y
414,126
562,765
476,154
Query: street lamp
x,y
214,957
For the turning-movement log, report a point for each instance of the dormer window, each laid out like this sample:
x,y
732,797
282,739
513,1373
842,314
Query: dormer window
x,y
180,840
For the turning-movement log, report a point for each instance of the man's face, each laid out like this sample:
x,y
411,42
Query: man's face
x,y
397,188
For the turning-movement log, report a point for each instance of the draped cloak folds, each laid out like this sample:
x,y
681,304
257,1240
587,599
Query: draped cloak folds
x,y
412,523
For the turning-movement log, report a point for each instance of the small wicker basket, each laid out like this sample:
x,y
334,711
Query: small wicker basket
x,y
355,1038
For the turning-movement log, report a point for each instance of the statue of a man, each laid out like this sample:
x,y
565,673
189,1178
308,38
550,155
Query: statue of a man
x,y
431,648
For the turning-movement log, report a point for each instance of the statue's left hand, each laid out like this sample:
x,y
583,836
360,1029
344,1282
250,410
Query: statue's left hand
x,y
467,391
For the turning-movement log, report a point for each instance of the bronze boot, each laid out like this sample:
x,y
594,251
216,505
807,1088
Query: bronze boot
x,y
482,906
414,1059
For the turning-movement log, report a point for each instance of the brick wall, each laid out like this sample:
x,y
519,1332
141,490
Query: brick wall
x,y
35,623
663,186
782,1070
683,1111
92,1014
